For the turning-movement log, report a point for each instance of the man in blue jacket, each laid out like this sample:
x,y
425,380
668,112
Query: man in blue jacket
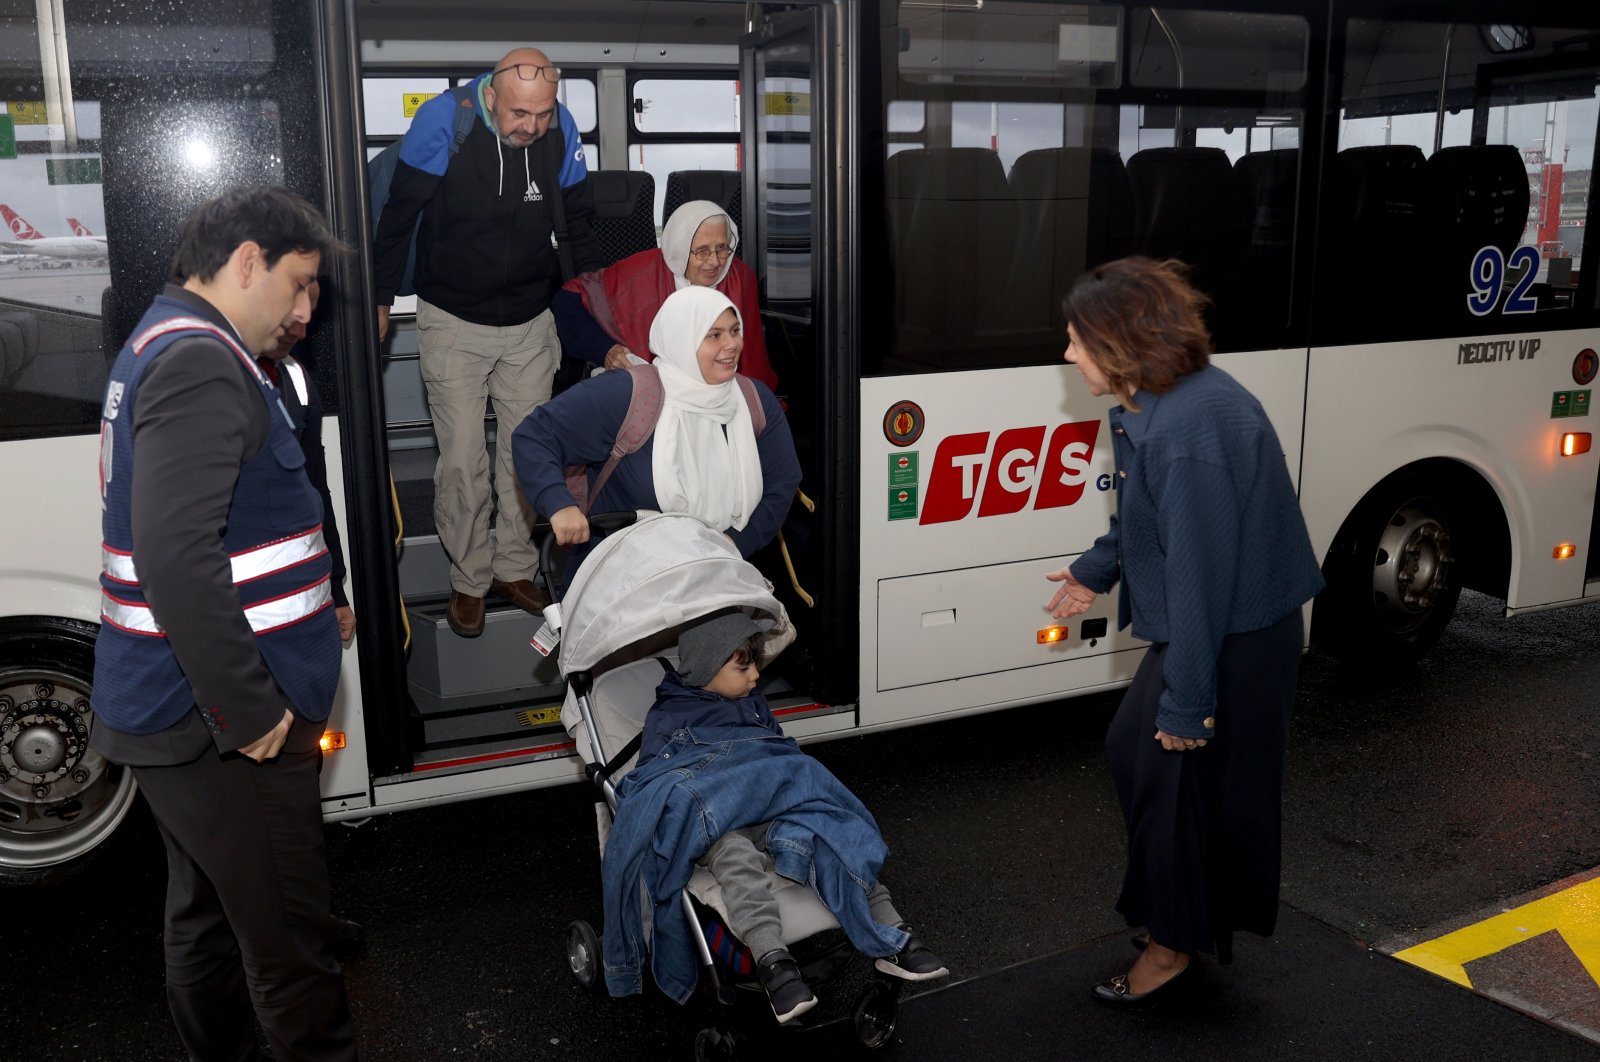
x,y
486,270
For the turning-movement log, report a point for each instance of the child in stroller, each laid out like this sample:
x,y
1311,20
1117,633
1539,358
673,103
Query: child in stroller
x,y
719,662
619,626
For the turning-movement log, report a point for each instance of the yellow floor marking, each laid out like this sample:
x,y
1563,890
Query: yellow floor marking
x,y
1573,912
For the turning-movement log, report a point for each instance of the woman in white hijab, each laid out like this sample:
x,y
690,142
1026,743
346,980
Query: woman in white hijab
x,y
604,317
704,457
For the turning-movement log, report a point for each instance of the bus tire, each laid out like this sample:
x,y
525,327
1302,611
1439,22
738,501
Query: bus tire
x,y
1392,575
60,801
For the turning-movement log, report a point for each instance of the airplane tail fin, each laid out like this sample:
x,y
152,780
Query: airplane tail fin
x,y
19,226
79,228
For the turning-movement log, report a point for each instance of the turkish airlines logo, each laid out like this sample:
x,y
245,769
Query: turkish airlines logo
x,y
20,228
1017,468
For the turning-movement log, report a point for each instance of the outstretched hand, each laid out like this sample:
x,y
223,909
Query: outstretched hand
x,y
1072,599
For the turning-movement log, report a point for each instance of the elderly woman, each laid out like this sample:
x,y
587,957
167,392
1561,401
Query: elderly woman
x,y
1215,564
704,457
604,316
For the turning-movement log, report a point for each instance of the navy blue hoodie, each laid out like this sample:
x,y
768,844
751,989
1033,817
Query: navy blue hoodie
x,y
678,706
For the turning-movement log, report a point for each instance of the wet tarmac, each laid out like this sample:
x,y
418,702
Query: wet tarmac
x,y
1469,780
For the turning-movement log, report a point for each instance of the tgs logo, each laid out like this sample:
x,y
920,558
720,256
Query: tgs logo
x,y
1020,466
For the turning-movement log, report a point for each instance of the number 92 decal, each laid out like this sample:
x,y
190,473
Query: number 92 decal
x,y
1489,276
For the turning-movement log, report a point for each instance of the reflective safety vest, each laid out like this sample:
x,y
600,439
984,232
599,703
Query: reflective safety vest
x,y
281,568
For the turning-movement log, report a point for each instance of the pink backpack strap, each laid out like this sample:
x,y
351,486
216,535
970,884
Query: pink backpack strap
x,y
638,423
752,398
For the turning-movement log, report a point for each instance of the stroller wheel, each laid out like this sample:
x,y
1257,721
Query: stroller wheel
x,y
583,954
876,1014
715,1045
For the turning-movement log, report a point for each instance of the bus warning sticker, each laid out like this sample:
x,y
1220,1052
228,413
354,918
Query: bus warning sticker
x,y
903,503
412,100
1569,404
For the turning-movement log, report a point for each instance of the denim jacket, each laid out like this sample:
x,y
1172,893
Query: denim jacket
x,y
702,784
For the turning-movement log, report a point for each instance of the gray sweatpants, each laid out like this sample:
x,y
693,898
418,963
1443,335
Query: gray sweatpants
x,y
739,861
462,365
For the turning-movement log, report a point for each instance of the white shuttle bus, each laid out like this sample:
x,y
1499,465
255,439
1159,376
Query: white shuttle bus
x,y
1388,204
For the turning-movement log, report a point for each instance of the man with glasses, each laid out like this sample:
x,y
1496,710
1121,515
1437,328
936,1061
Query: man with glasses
x,y
500,210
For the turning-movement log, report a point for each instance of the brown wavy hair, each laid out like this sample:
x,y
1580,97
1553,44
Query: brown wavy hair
x,y
1142,322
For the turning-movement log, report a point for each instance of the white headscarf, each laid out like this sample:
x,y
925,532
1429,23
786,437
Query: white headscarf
x,y
706,462
677,238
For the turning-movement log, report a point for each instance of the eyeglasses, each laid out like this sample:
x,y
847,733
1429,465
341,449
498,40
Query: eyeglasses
x,y
532,72
721,250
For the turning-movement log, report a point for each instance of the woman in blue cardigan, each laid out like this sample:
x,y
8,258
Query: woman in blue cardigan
x,y
704,457
1215,565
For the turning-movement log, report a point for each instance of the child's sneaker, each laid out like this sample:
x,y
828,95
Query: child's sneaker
x,y
786,988
914,963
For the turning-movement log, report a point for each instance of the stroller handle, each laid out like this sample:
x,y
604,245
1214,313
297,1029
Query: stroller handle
x,y
599,524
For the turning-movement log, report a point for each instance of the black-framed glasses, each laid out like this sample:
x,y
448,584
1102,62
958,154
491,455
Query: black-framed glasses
x,y
532,72
721,250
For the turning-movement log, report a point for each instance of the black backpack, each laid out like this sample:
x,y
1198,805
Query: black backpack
x,y
380,175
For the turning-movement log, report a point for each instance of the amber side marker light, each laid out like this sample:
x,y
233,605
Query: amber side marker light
x,y
332,740
1576,442
1564,551
1050,635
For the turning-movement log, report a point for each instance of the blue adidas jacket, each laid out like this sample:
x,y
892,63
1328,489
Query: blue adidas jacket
x,y
483,251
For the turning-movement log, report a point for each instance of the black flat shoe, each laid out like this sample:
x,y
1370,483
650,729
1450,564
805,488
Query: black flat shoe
x,y
1115,991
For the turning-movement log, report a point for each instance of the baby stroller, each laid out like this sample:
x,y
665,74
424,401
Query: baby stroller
x,y
618,622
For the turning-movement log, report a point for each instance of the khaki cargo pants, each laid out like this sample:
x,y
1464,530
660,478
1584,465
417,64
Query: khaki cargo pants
x,y
462,365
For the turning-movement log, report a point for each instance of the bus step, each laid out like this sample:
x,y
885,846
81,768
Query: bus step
x,y
530,721
495,667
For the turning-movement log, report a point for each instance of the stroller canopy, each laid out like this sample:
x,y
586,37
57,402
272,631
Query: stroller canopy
x,y
665,570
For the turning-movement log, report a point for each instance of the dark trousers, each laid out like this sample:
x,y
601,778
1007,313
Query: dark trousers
x,y
1205,826
247,904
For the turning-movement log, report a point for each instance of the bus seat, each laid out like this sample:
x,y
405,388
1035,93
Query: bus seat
x,y
1268,179
951,213
1191,208
624,212
1370,238
1473,197
1075,211
723,187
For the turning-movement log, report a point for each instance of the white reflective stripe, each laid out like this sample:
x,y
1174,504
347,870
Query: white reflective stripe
x,y
128,616
291,608
267,616
297,376
255,563
276,556
117,566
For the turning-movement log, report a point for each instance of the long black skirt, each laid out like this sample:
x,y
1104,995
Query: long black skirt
x,y
1205,826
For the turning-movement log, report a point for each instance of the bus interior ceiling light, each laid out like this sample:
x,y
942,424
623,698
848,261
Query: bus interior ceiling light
x,y
1576,442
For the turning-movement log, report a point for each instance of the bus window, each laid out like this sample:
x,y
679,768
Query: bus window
x,y
1018,152
1460,186
53,268
683,123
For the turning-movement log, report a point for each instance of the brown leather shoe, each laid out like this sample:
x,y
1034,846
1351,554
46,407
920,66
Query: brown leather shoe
x,y
524,593
465,614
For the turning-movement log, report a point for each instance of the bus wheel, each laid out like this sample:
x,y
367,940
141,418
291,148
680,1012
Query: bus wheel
x,y
60,801
1392,577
